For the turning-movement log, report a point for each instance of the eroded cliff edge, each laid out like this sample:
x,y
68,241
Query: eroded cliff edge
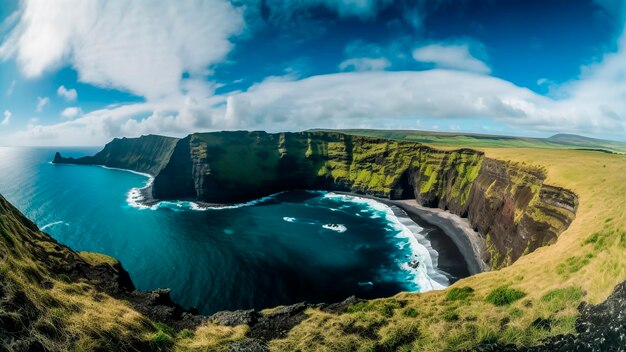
x,y
509,204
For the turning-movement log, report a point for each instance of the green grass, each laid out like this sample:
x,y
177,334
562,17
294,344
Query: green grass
x,y
385,307
502,296
469,140
459,293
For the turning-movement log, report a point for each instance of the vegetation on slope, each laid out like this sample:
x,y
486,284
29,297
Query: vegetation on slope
x,y
591,250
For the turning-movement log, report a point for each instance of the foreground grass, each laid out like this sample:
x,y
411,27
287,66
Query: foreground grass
x,y
537,296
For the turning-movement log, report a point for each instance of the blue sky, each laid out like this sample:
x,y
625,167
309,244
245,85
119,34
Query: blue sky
x,y
81,73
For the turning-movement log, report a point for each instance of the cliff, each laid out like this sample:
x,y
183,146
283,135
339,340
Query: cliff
x,y
39,302
507,203
55,299
146,154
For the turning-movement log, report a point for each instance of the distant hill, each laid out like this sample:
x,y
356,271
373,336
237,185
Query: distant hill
x,y
558,141
586,142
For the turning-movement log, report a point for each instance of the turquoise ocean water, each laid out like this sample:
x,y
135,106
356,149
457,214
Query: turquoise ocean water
x,y
290,247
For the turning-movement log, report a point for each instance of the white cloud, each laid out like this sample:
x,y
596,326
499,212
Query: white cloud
x,y
41,103
451,56
364,64
143,47
71,112
374,99
67,94
11,88
6,118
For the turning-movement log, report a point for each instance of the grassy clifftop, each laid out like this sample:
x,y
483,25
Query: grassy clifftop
x,y
234,166
474,140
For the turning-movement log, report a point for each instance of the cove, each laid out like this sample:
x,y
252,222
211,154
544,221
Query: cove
x,y
289,247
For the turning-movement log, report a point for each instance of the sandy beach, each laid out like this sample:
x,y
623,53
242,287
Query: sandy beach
x,y
470,243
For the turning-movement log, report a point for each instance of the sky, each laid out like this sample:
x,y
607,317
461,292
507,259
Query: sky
x,y
75,72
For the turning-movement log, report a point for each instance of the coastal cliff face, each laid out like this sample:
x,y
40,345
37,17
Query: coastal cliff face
x,y
146,154
507,203
228,167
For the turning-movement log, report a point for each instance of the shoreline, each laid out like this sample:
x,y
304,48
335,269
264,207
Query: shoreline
x,y
469,242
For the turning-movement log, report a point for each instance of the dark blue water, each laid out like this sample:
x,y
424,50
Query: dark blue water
x,y
280,251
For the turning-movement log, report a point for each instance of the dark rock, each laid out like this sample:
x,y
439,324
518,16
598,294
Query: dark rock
x,y
265,327
278,323
541,323
341,307
248,345
600,327
234,318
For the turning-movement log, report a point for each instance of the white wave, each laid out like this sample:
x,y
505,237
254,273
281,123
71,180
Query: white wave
x,y
135,199
288,219
53,224
127,170
425,276
336,227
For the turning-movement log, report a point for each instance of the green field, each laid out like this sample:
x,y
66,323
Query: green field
x,y
469,140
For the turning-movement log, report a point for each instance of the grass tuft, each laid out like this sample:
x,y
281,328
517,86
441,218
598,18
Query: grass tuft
x,y
459,293
503,296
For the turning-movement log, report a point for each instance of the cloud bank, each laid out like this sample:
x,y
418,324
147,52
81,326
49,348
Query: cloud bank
x,y
166,51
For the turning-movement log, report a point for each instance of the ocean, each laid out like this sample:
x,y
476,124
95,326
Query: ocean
x,y
282,249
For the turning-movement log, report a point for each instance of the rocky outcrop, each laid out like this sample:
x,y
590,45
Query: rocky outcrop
x,y
30,264
274,324
599,328
144,154
507,203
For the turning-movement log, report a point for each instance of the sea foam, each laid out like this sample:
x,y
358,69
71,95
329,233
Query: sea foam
x,y
53,224
336,227
425,276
